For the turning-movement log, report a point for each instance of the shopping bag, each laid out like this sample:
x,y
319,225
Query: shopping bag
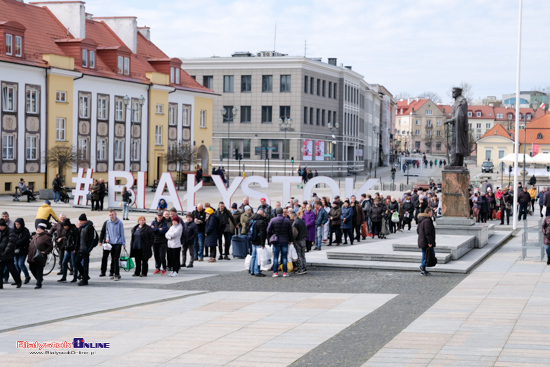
x,y
247,260
289,266
107,247
395,217
431,260
126,263
498,214
265,258
364,230
292,254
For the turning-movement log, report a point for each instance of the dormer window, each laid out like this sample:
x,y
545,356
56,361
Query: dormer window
x,y
528,116
177,75
92,59
172,75
478,114
469,113
18,46
539,136
84,58
9,44
124,65
510,116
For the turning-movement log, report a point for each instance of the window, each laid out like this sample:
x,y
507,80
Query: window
x,y
126,66
9,44
119,149
528,116
488,125
329,117
32,101
418,122
31,147
488,155
335,87
285,83
102,108
136,115
324,87
172,75
305,84
417,132
500,115
134,154
246,83
438,122
539,136
438,132
311,116
323,117
329,89
437,146
311,82
172,114
318,87
186,115
228,83
317,120
267,114
8,99
101,149
120,64
245,114
279,145
203,119
84,148
160,109
284,111
267,83
8,142
417,145
510,116
478,114
500,154
119,110
61,97
478,125
305,115
92,59
207,81
228,116
428,123
84,58
84,107
18,46
178,78
334,117
429,112
470,114
158,135
428,132
60,126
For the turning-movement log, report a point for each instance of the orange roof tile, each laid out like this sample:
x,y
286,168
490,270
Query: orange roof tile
x,y
487,112
497,130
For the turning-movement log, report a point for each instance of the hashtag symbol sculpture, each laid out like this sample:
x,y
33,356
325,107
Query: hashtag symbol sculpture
x,y
83,184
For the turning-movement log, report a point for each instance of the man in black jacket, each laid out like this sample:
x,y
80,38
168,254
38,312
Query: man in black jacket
x,y
102,191
225,234
188,236
299,231
281,228
85,237
259,221
7,253
426,237
523,199
71,242
199,217
159,226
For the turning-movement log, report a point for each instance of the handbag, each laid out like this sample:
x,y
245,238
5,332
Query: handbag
x,y
508,206
431,260
38,256
273,239
89,196
125,261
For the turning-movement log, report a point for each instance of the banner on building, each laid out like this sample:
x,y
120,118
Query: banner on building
x,y
319,150
307,150
535,149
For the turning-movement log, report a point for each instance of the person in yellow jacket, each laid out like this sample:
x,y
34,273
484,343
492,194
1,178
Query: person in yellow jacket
x,y
44,213
533,193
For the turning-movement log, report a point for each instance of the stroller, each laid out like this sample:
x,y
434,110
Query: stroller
x,y
64,195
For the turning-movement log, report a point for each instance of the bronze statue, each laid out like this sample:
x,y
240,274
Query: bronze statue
x,y
459,129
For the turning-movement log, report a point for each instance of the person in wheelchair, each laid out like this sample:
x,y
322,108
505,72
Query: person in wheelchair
x,y
24,190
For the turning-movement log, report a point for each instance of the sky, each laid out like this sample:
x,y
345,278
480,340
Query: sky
x,y
409,46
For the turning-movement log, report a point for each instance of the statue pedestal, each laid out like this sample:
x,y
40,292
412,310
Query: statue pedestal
x,y
454,193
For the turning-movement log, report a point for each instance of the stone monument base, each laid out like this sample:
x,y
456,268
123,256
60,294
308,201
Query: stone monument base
x,y
454,192
460,227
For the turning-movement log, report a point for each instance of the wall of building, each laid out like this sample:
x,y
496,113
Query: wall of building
x,y
202,136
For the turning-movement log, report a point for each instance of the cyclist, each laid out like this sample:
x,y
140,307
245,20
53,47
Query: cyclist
x,y
45,212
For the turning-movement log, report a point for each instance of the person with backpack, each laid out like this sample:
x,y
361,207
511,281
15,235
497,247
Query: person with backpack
x,y
256,233
114,236
87,240
56,185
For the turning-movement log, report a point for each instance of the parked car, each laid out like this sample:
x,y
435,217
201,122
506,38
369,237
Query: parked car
x,y
487,166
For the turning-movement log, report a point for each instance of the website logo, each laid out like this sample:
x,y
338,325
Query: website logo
x,y
81,344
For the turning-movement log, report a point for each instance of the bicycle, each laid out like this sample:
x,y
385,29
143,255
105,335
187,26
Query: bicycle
x,y
51,259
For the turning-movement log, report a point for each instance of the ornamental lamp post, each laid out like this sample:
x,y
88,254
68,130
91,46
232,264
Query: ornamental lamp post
x,y
229,119
284,125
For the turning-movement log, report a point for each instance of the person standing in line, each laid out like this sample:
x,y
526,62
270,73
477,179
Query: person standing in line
x,y
141,247
258,220
159,228
506,202
174,244
225,236
42,242
7,253
377,212
335,217
56,185
22,238
309,217
114,236
300,233
321,219
94,189
393,207
211,233
86,234
199,217
71,241
358,218
540,197
102,191
126,201
347,222
426,237
189,233
281,228
169,260
245,217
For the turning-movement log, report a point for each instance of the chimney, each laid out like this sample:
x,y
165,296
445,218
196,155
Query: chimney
x,y
125,28
71,14
332,61
145,32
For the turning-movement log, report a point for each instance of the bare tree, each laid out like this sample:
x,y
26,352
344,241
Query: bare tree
x,y
402,95
181,155
61,157
434,97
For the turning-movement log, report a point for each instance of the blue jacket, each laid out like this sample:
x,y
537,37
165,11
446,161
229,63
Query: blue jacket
x,y
322,217
347,214
115,232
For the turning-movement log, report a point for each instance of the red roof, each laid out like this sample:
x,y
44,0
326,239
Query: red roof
x,y
405,108
487,112
497,130
523,111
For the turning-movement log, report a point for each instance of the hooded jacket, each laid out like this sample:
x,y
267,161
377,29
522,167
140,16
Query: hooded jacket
x,y
425,230
7,247
21,237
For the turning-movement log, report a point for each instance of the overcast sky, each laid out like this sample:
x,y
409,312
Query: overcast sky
x,y
408,46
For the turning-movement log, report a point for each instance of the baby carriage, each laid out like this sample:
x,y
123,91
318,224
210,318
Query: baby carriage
x,y
64,195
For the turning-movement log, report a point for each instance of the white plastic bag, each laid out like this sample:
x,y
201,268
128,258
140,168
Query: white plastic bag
x,y
247,261
265,256
107,247
292,254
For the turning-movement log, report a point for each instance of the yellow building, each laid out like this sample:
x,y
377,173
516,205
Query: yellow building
x,y
493,145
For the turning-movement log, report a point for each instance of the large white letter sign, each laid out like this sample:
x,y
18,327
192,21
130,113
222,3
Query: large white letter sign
x,y
114,188
166,182
226,194
247,191
363,189
140,195
308,188
287,183
83,185
191,190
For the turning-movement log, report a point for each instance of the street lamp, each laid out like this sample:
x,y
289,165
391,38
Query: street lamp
x,y
284,124
229,119
333,127
127,100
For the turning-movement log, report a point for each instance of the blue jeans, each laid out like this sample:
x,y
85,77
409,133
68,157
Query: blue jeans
x,y
369,223
283,249
254,265
547,251
522,210
199,245
69,255
125,210
56,195
319,236
423,262
20,265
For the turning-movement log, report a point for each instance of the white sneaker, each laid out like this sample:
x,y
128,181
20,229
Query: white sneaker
x,y
174,274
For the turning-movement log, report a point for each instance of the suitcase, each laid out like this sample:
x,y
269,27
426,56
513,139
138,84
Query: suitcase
x,y
238,246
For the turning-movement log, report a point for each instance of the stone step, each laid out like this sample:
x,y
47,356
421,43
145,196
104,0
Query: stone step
x,y
395,256
457,246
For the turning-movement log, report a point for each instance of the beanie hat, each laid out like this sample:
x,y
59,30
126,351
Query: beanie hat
x,y
67,222
234,206
247,208
48,202
2,222
83,217
209,211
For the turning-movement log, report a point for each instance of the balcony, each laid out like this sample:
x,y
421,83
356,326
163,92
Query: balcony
x,y
430,126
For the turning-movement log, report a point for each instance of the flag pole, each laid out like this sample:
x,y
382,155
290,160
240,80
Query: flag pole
x,y
516,134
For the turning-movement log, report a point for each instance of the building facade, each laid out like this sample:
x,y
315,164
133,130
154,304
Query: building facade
x,y
288,108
